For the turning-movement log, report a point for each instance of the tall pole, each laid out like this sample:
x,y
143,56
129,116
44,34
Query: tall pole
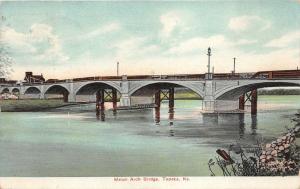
x,y
234,65
208,54
117,68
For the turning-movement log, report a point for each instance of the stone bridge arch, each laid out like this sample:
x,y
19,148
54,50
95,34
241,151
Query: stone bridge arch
x,y
5,90
87,91
193,86
15,91
32,90
57,89
92,85
234,92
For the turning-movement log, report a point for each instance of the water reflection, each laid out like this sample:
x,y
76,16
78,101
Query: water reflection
x,y
171,116
100,115
114,112
172,133
157,115
210,119
241,125
253,124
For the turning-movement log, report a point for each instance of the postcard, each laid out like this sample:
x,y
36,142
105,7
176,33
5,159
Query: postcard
x,y
150,94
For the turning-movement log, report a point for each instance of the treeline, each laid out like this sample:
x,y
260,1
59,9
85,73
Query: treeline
x,y
279,92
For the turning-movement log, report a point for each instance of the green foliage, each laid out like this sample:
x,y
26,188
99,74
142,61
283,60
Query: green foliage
x,y
279,158
30,105
279,92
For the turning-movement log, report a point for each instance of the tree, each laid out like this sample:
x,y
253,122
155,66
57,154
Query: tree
x,y
5,62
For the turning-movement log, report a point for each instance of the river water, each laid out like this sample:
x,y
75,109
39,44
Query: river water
x,y
130,143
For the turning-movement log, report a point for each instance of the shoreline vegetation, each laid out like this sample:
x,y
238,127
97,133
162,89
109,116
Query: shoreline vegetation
x,y
279,92
32,105
280,157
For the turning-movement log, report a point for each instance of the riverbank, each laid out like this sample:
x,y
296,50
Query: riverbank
x,y
31,105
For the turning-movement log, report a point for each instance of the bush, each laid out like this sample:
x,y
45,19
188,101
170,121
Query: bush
x,y
281,157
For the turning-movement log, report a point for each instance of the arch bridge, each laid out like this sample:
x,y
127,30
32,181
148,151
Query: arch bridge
x,y
220,92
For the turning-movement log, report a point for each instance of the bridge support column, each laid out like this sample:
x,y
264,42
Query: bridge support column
x,y
125,100
114,99
254,102
100,103
157,99
171,98
22,92
242,102
72,95
209,105
42,96
157,115
71,98
208,100
66,97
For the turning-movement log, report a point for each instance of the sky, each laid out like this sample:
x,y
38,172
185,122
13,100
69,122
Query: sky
x,y
79,39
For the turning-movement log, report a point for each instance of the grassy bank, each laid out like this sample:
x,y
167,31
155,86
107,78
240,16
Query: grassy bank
x,y
186,95
30,105
279,92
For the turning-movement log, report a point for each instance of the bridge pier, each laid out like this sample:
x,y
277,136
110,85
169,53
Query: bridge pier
x,y
254,102
157,115
252,98
125,100
242,102
171,98
65,96
99,102
209,104
114,99
71,98
157,98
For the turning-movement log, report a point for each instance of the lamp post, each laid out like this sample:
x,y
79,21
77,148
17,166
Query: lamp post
x,y
208,54
234,65
117,68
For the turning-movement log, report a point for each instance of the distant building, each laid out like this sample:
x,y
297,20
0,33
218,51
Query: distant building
x,y
4,82
30,78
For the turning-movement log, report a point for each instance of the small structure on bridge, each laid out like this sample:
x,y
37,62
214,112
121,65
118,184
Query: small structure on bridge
x,y
30,78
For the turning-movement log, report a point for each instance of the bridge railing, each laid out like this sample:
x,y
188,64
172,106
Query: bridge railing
x,y
269,75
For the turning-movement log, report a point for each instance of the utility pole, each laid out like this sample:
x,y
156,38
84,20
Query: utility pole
x,y
234,65
117,68
208,54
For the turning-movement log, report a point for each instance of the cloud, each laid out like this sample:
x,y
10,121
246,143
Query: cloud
x,y
40,43
248,23
285,40
15,40
133,47
245,42
110,27
200,43
170,21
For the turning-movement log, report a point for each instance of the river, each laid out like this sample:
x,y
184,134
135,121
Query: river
x,y
131,143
